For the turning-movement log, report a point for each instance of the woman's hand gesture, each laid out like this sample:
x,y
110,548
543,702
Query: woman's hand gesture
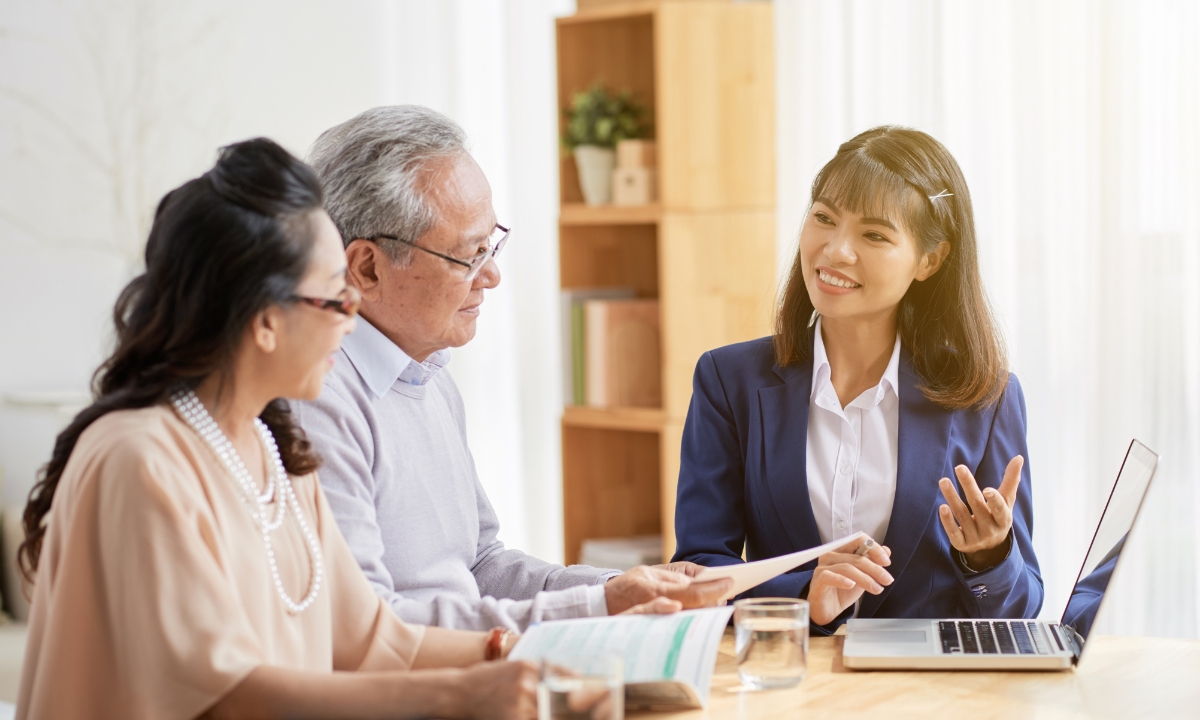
x,y
979,527
842,576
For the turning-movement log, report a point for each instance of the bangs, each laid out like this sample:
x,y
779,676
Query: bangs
x,y
907,179
856,182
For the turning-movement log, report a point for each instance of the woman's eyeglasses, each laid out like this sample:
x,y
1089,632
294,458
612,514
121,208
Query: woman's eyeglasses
x,y
346,303
495,244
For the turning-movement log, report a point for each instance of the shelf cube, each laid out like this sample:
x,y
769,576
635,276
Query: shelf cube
x,y
635,154
633,186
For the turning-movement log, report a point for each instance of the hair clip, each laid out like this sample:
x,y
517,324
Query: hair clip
x,y
942,194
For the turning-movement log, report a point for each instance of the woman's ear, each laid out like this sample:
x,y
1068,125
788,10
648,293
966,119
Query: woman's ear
x,y
363,258
264,328
932,260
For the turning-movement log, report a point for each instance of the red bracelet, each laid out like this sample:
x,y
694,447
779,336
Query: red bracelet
x,y
494,650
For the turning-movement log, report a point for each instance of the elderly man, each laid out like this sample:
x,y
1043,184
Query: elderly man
x,y
415,212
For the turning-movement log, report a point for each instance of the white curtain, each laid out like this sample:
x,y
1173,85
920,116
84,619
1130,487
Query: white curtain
x,y
1077,123
107,104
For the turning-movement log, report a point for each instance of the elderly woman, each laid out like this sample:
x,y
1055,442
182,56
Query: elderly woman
x,y
186,559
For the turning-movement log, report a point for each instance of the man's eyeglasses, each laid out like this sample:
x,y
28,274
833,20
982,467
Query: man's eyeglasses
x,y
495,244
346,303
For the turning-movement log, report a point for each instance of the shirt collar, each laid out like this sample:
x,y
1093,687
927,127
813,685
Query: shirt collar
x,y
381,362
821,369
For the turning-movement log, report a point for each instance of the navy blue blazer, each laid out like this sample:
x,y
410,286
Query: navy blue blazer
x,y
742,481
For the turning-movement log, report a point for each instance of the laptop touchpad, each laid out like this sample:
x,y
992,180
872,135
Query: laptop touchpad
x,y
890,636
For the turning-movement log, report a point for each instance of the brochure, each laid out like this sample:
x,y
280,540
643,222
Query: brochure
x,y
669,659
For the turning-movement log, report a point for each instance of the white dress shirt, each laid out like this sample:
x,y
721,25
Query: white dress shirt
x,y
851,458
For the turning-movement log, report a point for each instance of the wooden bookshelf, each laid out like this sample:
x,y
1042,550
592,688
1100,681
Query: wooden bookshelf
x,y
633,419
705,251
580,214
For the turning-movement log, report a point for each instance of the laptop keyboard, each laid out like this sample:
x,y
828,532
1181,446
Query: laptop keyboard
x,y
993,637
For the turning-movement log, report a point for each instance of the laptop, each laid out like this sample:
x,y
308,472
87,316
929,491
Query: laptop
x,y
964,644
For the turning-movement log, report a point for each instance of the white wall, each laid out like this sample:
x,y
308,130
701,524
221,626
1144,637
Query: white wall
x,y
106,104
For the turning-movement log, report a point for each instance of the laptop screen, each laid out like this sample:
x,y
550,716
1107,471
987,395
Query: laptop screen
x,y
1115,523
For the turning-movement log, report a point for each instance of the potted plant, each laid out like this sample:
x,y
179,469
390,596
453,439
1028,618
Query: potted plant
x,y
596,121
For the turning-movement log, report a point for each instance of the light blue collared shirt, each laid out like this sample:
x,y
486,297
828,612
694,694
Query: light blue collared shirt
x,y
380,362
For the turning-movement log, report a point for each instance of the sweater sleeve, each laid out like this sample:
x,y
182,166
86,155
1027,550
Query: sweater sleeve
x,y
504,572
507,573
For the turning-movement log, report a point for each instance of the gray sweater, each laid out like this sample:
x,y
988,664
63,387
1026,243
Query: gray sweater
x,y
402,485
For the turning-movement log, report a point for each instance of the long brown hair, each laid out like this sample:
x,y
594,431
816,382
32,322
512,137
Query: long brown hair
x,y
945,321
221,249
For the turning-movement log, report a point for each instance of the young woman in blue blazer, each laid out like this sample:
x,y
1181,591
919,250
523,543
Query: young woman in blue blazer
x,y
885,378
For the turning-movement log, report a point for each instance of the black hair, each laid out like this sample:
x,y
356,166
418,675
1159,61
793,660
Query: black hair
x,y
222,248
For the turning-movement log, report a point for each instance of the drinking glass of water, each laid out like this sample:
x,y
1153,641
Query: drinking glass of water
x,y
772,641
581,688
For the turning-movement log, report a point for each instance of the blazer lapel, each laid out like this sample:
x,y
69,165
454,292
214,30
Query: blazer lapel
x,y
785,438
924,441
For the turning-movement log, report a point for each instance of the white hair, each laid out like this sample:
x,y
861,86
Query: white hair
x,y
369,167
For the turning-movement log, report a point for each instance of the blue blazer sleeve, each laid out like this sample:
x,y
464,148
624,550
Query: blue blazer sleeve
x,y
711,525
1012,589
709,528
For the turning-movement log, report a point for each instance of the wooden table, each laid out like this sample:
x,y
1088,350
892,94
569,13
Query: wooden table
x,y
1120,677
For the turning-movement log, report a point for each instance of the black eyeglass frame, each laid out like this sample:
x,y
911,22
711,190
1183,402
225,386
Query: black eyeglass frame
x,y
472,267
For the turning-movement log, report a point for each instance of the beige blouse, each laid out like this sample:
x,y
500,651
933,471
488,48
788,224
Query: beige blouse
x,y
153,596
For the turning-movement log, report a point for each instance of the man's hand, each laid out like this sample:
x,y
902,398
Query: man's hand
x,y
980,529
643,584
657,606
690,569
841,578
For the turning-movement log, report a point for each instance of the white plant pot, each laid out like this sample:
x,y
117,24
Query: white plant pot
x,y
595,165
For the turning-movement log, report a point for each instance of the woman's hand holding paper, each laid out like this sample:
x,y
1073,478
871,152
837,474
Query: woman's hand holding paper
x,y
979,527
841,578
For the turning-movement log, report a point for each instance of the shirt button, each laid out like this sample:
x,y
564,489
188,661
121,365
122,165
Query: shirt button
x,y
845,469
841,526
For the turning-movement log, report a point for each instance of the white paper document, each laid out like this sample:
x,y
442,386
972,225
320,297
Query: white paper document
x,y
669,659
748,575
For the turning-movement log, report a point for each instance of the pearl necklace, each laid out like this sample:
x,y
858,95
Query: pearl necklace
x,y
194,413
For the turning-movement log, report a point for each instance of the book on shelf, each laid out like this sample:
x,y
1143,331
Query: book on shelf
x,y
574,348
577,348
621,366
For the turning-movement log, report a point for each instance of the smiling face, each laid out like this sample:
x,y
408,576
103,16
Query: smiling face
x,y
859,272
860,267
428,304
307,337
